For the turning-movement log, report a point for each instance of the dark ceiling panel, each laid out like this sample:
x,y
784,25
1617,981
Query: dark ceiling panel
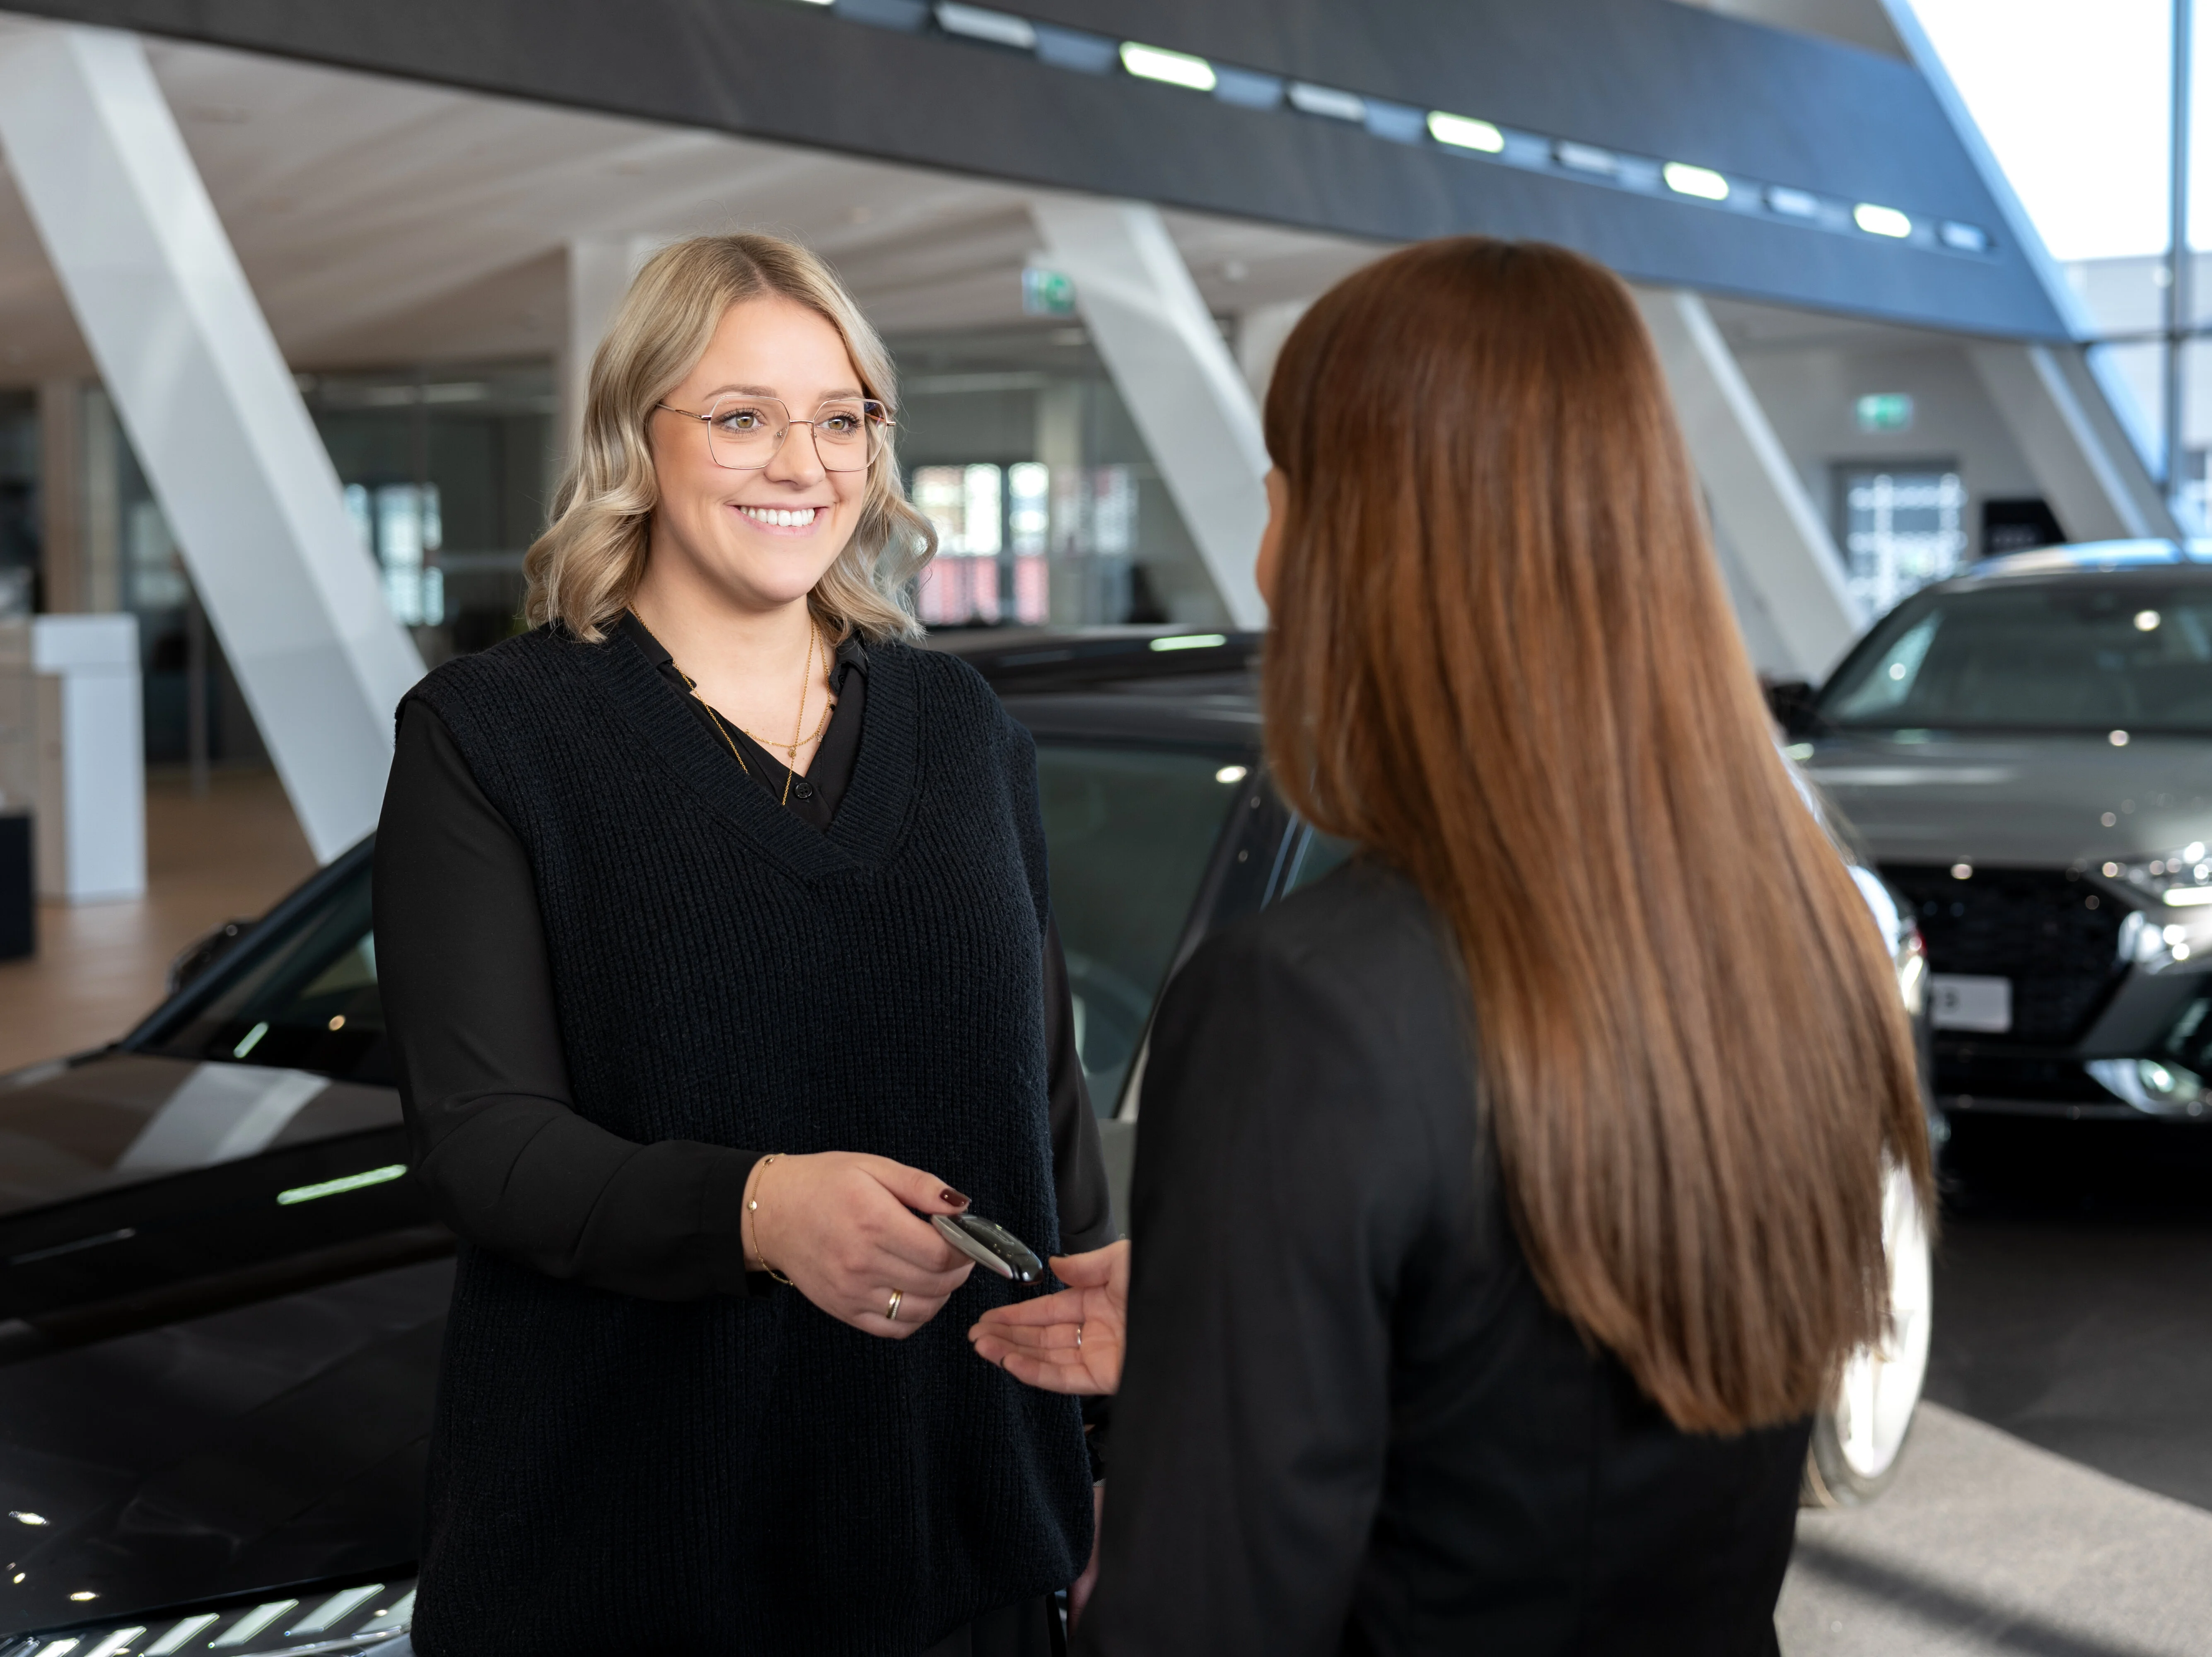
x,y
1645,76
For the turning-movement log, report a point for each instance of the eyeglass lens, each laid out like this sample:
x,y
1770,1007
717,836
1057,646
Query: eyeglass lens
x,y
744,432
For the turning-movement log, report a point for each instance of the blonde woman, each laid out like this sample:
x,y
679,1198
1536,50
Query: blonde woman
x,y
715,947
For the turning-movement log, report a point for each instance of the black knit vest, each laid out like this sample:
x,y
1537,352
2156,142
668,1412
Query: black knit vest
x,y
747,1475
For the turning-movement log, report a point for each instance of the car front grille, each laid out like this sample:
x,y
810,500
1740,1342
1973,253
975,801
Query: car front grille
x,y
1970,1068
2056,937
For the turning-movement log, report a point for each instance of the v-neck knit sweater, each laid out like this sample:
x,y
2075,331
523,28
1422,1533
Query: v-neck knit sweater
x,y
747,1474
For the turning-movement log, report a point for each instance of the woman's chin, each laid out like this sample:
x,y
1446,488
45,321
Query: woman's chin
x,y
758,583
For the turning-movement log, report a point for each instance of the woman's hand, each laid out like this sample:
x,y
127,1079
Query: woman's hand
x,y
1070,1342
840,1225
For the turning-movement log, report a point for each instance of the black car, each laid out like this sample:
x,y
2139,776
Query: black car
x,y
224,1298
2027,753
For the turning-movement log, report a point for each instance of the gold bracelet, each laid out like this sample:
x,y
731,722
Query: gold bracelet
x,y
752,1206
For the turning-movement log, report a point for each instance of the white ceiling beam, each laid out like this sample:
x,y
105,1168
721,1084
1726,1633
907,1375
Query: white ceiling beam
x,y
213,414
1782,554
1177,376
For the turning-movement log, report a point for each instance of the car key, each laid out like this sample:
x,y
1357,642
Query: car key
x,y
992,1246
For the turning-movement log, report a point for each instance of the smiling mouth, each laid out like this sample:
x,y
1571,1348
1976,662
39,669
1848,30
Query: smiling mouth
x,y
786,517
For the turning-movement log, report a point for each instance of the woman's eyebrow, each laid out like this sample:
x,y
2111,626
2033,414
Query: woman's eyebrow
x,y
844,393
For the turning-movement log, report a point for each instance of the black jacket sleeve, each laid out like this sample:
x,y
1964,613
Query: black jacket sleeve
x,y
1280,1188
468,1001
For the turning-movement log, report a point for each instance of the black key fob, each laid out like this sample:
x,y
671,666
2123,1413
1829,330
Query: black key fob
x,y
991,1246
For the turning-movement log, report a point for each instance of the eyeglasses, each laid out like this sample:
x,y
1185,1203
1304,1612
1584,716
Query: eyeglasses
x,y
744,433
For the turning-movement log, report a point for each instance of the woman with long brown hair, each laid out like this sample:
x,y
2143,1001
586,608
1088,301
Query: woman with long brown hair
x,y
1507,1201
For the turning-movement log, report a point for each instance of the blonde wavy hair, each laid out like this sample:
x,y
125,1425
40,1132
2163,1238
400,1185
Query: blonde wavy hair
x,y
582,571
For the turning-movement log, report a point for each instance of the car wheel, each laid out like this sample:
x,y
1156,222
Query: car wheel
x,y
1859,1440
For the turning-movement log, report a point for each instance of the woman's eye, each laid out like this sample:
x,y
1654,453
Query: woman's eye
x,y
741,420
842,425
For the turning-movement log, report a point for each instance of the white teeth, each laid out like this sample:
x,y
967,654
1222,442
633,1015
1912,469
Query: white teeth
x,y
781,518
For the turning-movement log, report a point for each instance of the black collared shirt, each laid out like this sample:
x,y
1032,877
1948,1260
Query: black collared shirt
x,y
482,1072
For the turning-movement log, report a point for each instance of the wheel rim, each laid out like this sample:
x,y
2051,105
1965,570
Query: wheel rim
x,y
1881,1384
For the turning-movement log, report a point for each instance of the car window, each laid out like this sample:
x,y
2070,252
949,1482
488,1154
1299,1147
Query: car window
x,y
1129,831
2056,656
305,1000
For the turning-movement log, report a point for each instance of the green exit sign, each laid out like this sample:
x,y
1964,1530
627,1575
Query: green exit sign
x,y
1046,294
1885,411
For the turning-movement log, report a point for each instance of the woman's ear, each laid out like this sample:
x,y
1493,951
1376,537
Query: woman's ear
x,y
1271,539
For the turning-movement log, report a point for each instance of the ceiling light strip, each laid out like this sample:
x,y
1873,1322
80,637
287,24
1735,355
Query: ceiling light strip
x,y
1466,134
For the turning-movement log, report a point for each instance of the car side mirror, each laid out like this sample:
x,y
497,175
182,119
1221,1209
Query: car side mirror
x,y
1791,703
203,951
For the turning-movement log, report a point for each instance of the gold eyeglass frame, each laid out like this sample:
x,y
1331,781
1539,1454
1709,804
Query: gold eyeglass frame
x,y
877,416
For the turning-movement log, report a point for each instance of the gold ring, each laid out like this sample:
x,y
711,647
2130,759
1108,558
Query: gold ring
x,y
891,1311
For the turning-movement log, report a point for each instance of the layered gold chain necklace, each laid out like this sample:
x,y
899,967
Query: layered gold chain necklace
x,y
797,724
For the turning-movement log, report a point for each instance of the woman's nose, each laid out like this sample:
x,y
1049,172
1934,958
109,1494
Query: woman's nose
x,y
796,460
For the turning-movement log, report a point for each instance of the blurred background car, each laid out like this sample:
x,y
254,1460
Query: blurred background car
x,y
2026,751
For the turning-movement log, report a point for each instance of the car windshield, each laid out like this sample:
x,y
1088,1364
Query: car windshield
x,y
1129,831
304,998
2040,656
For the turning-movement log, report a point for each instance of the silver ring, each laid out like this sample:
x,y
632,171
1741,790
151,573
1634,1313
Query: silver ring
x,y
891,1311
1078,1336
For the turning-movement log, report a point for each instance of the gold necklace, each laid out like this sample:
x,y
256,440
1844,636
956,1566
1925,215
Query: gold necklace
x,y
798,723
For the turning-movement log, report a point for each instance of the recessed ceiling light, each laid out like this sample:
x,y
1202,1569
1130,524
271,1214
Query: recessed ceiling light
x,y
1700,181
1329,102
1464,132
1587,158
1881,221
977,24
1177,68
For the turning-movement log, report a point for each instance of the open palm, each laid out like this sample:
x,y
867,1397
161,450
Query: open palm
x,y
1069,1342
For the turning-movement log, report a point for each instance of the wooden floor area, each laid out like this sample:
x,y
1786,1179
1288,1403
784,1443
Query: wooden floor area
x,y
100,966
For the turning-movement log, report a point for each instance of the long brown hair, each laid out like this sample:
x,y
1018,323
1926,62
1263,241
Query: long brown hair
x,y
1502,659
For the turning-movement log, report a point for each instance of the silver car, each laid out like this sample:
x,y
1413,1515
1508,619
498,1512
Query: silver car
x,y
2027,753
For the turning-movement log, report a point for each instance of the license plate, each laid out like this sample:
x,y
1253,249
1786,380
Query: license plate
x,y
1964,1001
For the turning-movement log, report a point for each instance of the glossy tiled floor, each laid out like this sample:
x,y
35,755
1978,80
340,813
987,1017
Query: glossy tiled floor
x,y
100,966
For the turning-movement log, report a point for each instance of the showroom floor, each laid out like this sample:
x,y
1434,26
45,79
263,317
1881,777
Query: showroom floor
x,y
2056,1498
100,966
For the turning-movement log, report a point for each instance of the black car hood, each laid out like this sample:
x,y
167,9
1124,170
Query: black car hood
x,y
2024,802
276,1443
220,1314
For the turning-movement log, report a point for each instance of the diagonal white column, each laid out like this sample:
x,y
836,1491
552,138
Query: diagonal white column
x,y
1782,553
2061,415
1183,387
212,411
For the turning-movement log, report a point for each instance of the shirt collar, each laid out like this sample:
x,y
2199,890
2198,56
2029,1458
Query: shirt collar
x,y
850,655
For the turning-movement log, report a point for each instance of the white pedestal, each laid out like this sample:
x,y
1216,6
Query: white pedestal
x,y
92,759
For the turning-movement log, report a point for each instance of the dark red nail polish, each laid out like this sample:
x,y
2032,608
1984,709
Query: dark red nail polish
x,y
952,1196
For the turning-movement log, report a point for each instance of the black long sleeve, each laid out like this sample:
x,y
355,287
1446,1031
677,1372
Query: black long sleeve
x,y
508,1163
468,998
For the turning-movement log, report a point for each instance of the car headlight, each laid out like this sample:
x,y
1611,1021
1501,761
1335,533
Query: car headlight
x,y
339,1622
2181,880
2155,1085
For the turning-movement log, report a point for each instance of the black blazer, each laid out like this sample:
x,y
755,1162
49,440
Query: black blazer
x,y
1350,1422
